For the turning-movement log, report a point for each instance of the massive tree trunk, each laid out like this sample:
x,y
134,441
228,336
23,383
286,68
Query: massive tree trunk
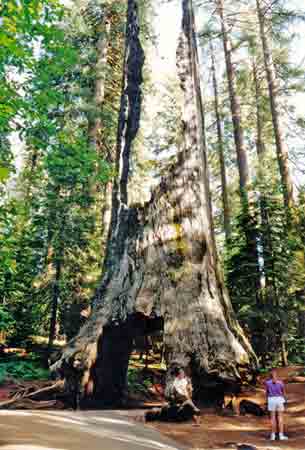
x,y
224,189
281,146
160,267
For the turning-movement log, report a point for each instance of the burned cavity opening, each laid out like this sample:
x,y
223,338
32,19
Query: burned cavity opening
x,y
109,373
210,390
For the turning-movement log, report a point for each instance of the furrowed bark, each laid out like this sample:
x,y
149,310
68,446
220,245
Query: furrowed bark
x,y
182,276
160,269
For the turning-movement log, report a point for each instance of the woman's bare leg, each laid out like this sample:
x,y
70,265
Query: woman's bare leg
x,y
280,420
273,420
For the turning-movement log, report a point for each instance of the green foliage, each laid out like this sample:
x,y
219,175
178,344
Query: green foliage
x,y
241,264
6,320
296,347
23,369
136,381
54,221
4,173
268,313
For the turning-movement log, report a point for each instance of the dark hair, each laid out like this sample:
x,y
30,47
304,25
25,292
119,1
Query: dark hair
x,y
178,370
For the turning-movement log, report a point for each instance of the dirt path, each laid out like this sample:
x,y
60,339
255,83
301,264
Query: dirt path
x,y
85,430
115,430
217,432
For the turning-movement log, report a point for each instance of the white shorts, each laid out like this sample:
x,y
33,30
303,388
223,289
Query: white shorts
x,y
276,404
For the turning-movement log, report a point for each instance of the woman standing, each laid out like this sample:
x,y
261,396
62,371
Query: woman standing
x,y
276,399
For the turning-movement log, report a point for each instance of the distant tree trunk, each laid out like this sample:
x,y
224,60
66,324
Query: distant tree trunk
x,y
224,190
106,211
265,234
281,145
242,158
260,146
301,323
284,351
96,125
56,262
161,269
54,307
267,245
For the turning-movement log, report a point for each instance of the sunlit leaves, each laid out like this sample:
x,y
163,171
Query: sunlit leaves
x,y
4,173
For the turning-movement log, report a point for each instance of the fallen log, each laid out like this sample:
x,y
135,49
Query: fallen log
x,y
26,398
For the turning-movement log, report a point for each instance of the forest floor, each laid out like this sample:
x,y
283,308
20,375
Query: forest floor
x,y
217,431
245,432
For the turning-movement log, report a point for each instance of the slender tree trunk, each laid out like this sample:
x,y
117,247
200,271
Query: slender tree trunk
x,y
260,146
265,234
224,190
106,211
54,309
261,151
160,269
56,262
242,158
284,350
96,126
281,145
301,323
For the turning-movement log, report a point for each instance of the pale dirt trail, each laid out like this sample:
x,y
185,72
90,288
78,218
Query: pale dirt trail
x,y
87,430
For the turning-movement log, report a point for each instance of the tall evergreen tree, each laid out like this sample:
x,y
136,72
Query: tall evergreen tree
x,y
265,23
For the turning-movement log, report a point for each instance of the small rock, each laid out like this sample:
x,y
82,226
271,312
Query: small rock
x,y
246,447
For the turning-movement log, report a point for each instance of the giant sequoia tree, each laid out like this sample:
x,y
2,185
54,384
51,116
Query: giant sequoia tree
x,y
160,267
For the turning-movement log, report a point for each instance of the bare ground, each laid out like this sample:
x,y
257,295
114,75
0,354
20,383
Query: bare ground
x,y
245,432
219,432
